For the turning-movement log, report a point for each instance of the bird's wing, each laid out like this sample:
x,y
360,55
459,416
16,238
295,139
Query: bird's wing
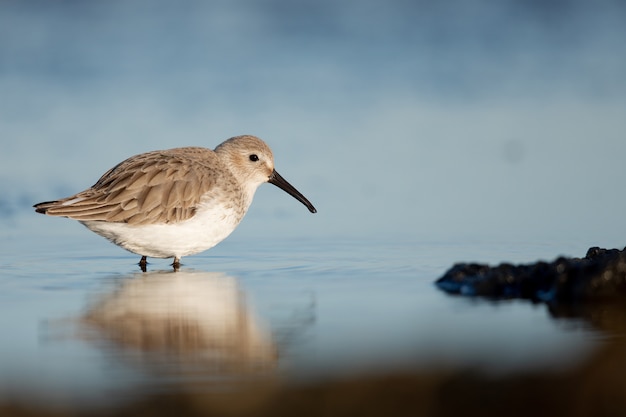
x,y
154,187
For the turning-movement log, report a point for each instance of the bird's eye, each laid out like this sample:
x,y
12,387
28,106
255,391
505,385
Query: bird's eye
x,y
254,157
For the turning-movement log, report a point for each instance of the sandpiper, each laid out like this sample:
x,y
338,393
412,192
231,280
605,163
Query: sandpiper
x,y
176,202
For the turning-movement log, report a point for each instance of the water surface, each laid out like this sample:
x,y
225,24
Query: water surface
x,y
82,324
425,133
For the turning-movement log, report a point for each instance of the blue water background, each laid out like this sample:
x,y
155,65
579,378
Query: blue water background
x,y
425,133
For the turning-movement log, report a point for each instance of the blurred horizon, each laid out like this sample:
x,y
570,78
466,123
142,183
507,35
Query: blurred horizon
x,y
427,119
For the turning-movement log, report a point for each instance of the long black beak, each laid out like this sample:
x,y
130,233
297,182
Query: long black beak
x,y
282,183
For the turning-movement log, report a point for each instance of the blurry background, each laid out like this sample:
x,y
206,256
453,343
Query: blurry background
x,y
425,132
436,120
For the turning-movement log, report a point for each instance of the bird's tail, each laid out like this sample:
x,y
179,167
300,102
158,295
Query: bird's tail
x,y
44,206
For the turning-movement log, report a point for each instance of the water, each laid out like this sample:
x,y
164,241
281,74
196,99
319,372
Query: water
x,y
82,325
425,133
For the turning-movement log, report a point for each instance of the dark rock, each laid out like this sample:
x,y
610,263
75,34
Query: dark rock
x,y
600,275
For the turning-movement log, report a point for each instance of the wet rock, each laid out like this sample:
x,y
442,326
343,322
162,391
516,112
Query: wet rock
x,y
600,275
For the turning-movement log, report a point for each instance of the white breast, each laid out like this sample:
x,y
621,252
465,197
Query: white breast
x,y
209,226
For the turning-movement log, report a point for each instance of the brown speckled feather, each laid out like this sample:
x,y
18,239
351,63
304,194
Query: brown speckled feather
x,y
154,187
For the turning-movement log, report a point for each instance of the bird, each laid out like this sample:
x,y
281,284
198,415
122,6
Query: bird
x,y
175,202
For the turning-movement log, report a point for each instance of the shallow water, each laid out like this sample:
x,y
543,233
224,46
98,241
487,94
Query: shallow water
x,y
82,325
426,133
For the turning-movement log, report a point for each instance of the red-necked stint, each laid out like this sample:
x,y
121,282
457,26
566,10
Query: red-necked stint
x,y
175,202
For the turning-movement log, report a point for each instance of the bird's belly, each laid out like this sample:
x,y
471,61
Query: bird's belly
x,y
166,240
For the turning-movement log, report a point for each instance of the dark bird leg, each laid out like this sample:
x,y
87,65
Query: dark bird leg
x,y
142,263
176,264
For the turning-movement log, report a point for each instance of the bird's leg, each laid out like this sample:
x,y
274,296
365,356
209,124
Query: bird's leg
x,y
176,263
142,263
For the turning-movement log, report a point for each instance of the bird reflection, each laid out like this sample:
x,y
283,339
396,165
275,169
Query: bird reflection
x,y
189,321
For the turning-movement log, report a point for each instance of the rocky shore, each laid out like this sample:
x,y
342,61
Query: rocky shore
x,y
600,275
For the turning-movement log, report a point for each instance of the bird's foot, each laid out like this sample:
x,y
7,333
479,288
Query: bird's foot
x,y
176,264
143,263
